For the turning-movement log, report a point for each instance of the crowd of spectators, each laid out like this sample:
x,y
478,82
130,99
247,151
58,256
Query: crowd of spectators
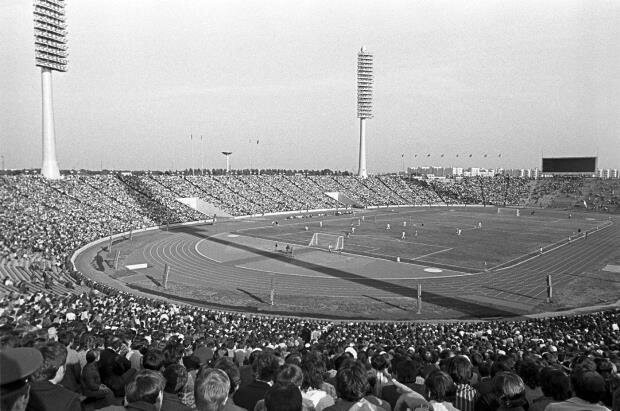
x,y
117,347
105,348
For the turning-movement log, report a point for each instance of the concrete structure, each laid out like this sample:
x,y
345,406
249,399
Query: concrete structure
x,y
227,154
51,55
364,102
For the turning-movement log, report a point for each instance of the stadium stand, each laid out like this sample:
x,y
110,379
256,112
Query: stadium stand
x,y
125,344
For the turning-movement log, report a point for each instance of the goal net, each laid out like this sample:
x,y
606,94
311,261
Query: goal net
x,y
323,240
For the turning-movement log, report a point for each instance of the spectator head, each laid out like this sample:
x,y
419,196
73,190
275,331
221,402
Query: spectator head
x,y
92,356
512,391
173,353
211,389
439,386
588,385
460,369
290,373
407,370
313,367
528,371
176,378
153,360
16,365
283,397
66,338
351,381
555,384
232,371
379,362
146,386
502,363
53,367
265,366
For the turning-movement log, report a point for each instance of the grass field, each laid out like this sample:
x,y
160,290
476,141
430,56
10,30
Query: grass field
x,y
487,238
233,264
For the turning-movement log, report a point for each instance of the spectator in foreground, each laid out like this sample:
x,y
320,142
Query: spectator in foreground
x,y
588,389
265,366
512,396
143,393
16,365
352,386
211,391
440,391
283,397
46,393
176,378
460,369
555,386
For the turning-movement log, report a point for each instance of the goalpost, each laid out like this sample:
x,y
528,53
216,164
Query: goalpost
x,y
323,240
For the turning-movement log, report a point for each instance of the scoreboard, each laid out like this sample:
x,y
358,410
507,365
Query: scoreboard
x,y
569,165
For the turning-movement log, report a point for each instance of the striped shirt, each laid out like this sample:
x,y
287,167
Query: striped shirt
x,y
465,397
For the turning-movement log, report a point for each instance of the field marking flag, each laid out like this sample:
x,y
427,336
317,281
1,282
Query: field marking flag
x,y
585,204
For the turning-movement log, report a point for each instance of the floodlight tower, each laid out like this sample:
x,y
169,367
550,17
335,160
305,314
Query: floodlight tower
x,y
50,45
364,102
227,154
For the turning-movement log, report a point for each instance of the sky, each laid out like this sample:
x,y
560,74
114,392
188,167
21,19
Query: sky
x,y
517,78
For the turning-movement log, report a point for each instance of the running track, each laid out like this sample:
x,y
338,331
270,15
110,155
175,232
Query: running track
x,y
505,292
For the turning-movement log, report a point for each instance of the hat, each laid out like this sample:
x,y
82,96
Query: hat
x,y
18,363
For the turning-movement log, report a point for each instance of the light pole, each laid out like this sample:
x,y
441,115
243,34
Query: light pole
x,y
50,45
364,102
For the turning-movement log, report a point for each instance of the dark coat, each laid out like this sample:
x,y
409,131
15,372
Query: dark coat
x,y
248,395
172,402
47,396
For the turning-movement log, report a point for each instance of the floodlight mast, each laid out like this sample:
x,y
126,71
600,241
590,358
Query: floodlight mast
x,y
364,102
50,44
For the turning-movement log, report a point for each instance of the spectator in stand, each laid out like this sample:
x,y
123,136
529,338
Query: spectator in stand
x,y
46,393
313,368
211,391
283,397
95,392
588,389
234,378
176,378
529,370
16,365
405,372
143,393
264,366
441,391
460,369
352,388
512,395
555,386
380,364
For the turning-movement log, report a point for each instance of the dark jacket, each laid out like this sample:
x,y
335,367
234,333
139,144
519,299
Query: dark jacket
x,y
247,396
172,402
47,396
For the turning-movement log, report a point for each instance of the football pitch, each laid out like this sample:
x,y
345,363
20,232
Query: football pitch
x,y
465,239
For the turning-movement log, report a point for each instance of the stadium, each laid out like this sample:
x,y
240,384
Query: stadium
x,y
285,289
